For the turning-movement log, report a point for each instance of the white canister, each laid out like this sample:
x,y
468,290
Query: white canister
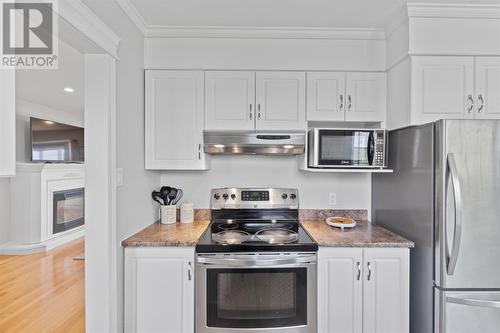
x,y
187,212
168,214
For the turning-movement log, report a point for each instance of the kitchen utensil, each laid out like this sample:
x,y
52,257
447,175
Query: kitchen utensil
x,y
156,195
172,195
178,197
165,191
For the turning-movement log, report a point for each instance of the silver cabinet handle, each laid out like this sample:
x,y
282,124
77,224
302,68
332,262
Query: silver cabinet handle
x,y
199,151
457,194
349,102
189,271
471,103
341,102
481,106
369,271
258,111
473,302
359,271
251,113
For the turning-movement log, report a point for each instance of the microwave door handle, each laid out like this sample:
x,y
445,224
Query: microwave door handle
x,y
371,148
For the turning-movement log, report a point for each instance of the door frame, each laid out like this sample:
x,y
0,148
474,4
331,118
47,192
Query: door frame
x,y
101,292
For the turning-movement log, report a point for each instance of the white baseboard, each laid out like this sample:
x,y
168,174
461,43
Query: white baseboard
x,y
11,248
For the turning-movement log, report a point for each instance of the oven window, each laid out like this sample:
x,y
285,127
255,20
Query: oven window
x,y
256,298
344,147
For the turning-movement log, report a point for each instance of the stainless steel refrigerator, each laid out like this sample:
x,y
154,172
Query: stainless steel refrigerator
x,y
444,195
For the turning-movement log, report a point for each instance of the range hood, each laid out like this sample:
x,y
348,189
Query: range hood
x,y
254,143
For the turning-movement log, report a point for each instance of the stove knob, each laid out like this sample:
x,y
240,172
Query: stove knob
x,y
216,196
292,196
284,196
225,196
233,196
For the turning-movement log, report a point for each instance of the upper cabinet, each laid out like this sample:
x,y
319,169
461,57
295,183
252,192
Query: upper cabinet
x,y
229,100
280,99
454,87
174,120
339,96
487,87
239,100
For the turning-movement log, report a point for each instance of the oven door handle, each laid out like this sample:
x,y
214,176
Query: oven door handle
x,y
235,262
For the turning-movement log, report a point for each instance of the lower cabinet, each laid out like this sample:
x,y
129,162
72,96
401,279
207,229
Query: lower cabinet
x,y
363,290
159,290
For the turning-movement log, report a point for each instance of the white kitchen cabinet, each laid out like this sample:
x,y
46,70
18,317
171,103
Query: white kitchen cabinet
x,y
441,88
174,120
159,290
487,87
386,290
229,100
325,96
280,98
363,290
340,288
340,96
365,97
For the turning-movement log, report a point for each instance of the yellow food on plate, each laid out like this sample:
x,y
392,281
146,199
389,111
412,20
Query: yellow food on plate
x,y
343,220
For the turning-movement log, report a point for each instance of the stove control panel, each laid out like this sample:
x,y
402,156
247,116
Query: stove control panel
x,y
254,198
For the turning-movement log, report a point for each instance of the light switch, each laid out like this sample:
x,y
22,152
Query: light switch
x,y
119,177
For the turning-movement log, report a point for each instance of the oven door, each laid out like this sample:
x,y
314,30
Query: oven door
x,y
342,148
256,292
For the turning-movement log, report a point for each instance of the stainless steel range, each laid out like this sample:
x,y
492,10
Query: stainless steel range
x,y
255,265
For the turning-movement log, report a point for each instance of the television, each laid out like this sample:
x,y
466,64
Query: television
x,y
53,142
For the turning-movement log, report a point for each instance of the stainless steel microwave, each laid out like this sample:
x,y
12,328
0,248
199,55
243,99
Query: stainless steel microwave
x,y
347,148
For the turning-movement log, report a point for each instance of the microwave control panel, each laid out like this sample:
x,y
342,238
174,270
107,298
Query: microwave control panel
x,y
379,158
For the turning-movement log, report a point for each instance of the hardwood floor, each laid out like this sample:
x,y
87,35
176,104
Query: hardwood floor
x,y
43,293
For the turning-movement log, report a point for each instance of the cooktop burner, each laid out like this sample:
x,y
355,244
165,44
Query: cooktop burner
x,y
255,220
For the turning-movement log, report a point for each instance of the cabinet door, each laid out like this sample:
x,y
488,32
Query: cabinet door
x,y
280,100
365,97
340,290
487,86
229,100
325,96
159,290
442,88
174,120
385,290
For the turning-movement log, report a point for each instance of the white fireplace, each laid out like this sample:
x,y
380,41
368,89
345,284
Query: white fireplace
x,y
47,207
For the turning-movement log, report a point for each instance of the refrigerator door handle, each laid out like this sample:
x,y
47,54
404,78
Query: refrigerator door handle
x,y
473,302
457,233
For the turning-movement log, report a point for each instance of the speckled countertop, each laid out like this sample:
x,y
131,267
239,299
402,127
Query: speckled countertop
x,y
177,234
365,234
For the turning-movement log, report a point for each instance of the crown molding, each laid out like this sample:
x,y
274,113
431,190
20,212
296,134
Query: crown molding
x,y
130,10
485,11
262,32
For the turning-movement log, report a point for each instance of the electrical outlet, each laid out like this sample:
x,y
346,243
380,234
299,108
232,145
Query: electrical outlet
x,y
332,198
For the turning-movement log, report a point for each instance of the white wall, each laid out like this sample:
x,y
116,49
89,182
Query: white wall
x,y
25,110
353,191
135,208
264,54
4,209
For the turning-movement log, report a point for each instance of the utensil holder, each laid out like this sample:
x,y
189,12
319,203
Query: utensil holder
x,y
187,213
168,214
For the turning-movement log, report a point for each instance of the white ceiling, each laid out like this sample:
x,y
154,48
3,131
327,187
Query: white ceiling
x,y
46,86
271,13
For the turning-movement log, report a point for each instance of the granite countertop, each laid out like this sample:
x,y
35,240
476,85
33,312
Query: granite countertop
x,y
365,234
176,234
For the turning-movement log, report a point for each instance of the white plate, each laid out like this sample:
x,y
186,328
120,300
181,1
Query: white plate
x,y
330,222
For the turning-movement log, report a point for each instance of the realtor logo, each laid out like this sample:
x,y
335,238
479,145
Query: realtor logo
x,y
29,39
